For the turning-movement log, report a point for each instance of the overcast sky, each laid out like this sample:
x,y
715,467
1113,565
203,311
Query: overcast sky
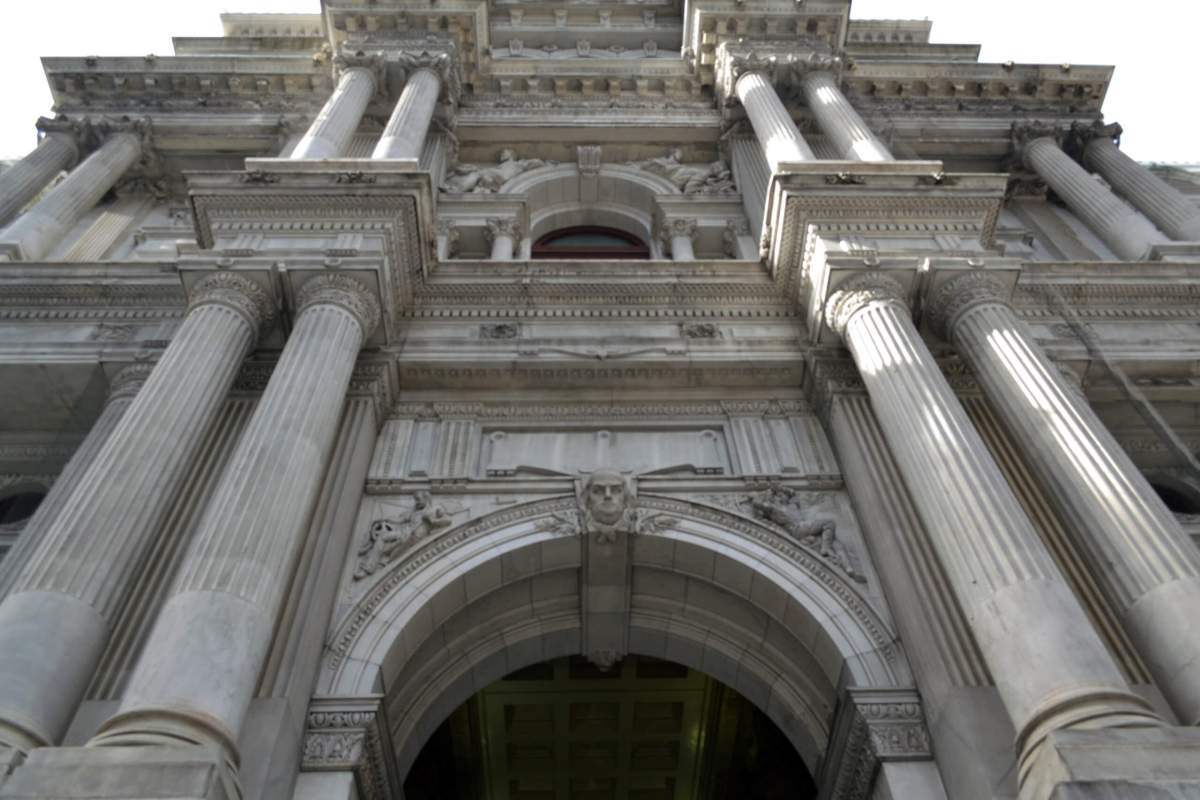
x,y
1153,94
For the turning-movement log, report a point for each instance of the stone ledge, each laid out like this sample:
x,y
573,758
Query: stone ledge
x,y
1119,764
122,773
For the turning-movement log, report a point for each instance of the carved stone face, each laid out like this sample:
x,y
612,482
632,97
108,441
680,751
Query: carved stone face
x,y
507,155
606,496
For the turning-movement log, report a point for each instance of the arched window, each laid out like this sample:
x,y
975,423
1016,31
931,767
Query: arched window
x,y
590,241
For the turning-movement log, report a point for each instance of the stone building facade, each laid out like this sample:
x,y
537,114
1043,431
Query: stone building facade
x,y
366,357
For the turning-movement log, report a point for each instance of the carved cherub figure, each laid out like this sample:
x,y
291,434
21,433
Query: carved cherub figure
x,y
388,538
781,506
477,179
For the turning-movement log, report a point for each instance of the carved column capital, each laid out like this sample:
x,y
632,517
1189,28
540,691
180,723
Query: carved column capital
x,y
344,292
780,63
677,227
873,726
1024,134
129,381
497,226
449,229
351,735
237,292
960,295
858,294
1082,134
734,229
372,64
444,64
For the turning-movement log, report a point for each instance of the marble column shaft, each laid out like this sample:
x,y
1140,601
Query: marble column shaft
x,y
404,136
330,133
773,125
753,178
1051,668
54,623
1139,552
1165,205
839,121
122,389
196,677
1125,231
38,230
21,182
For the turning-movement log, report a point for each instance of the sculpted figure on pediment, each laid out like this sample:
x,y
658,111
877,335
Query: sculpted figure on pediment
x,y
781,506
477,179
713,178
388,538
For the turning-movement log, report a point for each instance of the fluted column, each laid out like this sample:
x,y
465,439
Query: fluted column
x,y
1165,205
54,623
196,676
753,178
502,235
1145,561
404,136
1125,231
121,391
781,140
839,121
21,182
330,133
1051,668
680,235
38,230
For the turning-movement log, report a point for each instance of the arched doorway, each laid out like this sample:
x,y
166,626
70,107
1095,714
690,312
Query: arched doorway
x,y
712,591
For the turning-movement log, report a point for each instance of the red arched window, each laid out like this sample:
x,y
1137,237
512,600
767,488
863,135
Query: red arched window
x,y
590,241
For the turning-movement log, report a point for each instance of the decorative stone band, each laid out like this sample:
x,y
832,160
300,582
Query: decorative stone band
x,y
350,735
873,726
129,381
501,227
858,294
238,293
960,295
345,293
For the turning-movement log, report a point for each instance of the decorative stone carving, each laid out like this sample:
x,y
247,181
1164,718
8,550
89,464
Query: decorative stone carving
x,y
350,735
858,293
498,226
476,179
873,726
700,330
387,539
344,292
1025,132
589,159
960,295
608,505
672,228
781,506
499,330
698,179
371,63
237,292
734,229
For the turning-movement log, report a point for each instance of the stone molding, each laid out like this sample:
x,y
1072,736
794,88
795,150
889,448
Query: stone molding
x,y
873,726
859,293
959,296
236,292
352,735
443,64
344,292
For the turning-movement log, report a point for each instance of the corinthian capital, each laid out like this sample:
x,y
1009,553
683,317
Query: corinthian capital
x,y
858,294
371,63
961,294
237,292
1082,134
128,381
443,63
502,227
780,63
672,228
344,292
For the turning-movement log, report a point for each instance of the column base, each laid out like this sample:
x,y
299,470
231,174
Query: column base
x,y
1117,764
122,773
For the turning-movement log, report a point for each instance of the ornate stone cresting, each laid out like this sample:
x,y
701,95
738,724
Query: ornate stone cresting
x,y
387,539
858,294
344,292
237,292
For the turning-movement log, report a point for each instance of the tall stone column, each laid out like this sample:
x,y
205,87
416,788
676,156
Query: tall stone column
x,y
121,391
330,133
753,178
196,677
1125,231
680,235
1144,559
38,230
503,235
1051,668
1165,205
839,121
781,140
21,182
404,136
54,623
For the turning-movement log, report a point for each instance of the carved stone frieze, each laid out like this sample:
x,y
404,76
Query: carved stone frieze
x,y
351,735
691,179
477,179
873,726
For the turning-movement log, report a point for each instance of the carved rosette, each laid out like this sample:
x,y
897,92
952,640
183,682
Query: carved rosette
x,y
858,294
344,292
960,295
874,726
238,293
349,735
501,227
129,381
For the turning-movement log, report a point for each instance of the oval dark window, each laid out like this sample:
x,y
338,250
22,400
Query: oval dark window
x,y
21,506
590,241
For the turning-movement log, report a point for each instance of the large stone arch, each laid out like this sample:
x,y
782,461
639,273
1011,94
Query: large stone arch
x,y
712,590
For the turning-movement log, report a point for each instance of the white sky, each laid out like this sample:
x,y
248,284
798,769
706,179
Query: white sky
x,y
1153,94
